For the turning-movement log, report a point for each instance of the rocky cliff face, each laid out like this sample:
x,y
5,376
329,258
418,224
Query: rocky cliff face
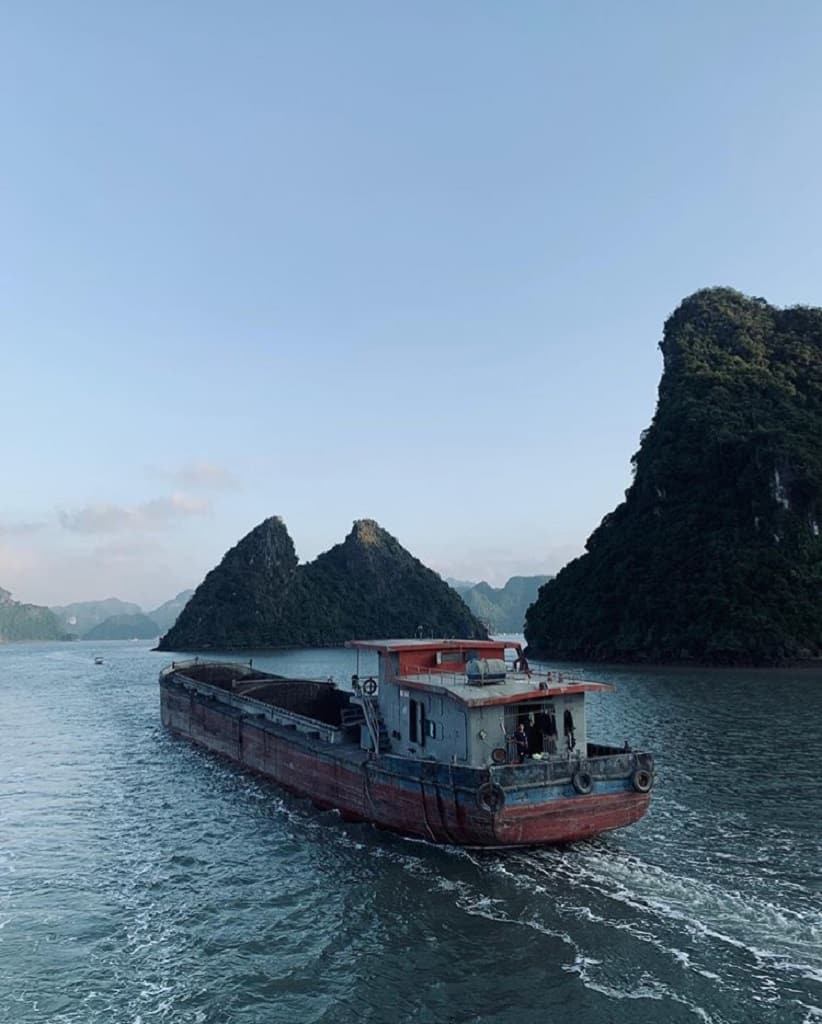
x,y
715,555
367,587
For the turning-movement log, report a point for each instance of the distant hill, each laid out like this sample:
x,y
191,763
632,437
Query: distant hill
x,y
124,627
502,609
166,615
26,622
80,617
367,587
715,556
460,585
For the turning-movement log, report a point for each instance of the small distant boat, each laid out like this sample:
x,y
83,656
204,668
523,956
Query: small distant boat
x,y
98,660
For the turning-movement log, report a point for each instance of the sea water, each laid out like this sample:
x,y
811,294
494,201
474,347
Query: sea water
x,y
145,880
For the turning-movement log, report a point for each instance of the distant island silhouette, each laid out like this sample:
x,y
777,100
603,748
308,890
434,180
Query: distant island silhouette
x,y
502,609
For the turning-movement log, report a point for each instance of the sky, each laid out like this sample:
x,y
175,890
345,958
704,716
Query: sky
x,y
408,262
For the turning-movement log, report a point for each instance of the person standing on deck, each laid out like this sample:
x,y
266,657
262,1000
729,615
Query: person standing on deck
x,y
521,740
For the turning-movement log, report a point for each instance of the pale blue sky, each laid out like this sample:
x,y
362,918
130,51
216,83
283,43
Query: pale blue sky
x,y
334,260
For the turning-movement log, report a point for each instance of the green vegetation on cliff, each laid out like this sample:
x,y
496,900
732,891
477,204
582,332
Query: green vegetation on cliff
x,y
367,587
502,609
715,555
26,622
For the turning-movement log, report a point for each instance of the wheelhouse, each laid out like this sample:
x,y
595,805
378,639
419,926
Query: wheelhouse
x,y
461,701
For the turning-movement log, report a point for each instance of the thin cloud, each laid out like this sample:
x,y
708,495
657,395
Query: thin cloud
x,y
99,518
160,510
104,517
20,529
201,475
129,549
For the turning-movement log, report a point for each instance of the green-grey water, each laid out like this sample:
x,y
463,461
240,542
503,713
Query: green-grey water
x,y
145,880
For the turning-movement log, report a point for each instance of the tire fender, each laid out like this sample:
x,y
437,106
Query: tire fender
x,y
490,797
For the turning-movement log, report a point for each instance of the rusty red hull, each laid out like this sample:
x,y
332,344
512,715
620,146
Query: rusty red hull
x,y
441,803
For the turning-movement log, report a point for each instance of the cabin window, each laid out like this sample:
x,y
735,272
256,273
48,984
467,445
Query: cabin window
x,y
432,729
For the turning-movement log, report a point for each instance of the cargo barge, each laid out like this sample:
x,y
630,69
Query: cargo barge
x,y
447,742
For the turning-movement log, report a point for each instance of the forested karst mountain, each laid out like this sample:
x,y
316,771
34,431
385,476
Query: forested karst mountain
x,y
124,627
81,616
502,609
21,622
110,619
243,601
368,586
372,587
715,555
166,615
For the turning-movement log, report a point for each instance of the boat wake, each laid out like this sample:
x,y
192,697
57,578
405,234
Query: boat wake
x,y
614,921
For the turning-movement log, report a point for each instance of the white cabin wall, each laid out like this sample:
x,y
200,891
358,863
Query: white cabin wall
x,y
446,715
485,733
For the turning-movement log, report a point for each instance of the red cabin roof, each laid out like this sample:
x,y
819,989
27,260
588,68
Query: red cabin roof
x,y
419,667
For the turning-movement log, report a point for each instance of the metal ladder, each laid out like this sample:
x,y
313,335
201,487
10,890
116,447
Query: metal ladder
x,y
376,726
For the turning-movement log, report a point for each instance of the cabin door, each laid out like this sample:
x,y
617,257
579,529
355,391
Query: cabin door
x,y
416,722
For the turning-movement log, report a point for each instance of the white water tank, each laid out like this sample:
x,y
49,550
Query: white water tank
x,y
485,670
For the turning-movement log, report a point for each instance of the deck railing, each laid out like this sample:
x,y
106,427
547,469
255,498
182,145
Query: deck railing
x,y
549,680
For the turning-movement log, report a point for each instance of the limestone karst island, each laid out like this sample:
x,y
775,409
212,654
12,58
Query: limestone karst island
x,y
368,586
715,556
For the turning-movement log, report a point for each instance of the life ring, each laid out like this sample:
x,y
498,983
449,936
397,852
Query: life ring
x,y
369,687
499,755
582,782
642,780
490,797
